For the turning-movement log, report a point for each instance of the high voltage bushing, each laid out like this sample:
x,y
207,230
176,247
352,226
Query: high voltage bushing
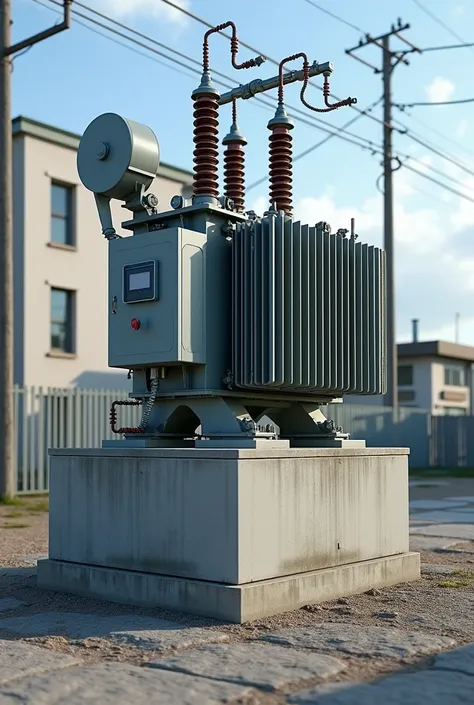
x,y
206,118
206,142
234,164
281,161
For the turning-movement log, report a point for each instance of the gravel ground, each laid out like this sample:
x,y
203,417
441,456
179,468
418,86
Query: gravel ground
x,y
442,602
24,531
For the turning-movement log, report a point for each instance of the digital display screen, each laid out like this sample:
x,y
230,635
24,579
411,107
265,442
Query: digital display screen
x,y
139,280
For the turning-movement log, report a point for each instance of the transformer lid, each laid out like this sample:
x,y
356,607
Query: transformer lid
x,y
112,150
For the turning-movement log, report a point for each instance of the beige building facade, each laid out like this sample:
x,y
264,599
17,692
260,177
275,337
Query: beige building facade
x,y
436,375
60,262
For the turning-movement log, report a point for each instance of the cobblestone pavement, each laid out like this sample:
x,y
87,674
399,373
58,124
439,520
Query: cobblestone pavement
x,y
411,644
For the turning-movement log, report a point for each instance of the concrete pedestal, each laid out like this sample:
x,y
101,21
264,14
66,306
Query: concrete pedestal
x,y
232,534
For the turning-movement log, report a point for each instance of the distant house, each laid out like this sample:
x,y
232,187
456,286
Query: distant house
x,y
436,375
433,375
60,262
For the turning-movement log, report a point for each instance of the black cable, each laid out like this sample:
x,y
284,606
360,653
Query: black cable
x,y
18,54
467,45
199,63
259,100
434,131
313,147
124,36
411,134
444,156
442,102
118,42
408,132
270,59
435,181
369,145
186,12
310,120
334,16
436,19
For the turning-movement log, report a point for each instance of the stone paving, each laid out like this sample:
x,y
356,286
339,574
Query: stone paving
x,y
68,657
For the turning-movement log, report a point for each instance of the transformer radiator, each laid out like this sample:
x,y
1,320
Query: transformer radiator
x,y
308,310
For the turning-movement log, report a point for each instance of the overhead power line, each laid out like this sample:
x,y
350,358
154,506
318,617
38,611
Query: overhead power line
x,y
118,42
270,59
438,21
334,16
313,147
435,181
299,115
405,131
377,150
124,36
428,103
469,45
443,156
295,112
432,129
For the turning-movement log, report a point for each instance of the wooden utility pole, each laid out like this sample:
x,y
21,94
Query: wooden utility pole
x,y
390,59
7,50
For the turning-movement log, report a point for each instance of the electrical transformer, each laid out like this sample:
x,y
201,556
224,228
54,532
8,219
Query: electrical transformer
x,y
225,317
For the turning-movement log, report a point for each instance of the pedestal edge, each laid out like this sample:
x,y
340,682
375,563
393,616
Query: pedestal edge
x,y
231,603
226,453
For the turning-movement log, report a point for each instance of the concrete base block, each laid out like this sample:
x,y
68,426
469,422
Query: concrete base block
x,y
235,534
232,603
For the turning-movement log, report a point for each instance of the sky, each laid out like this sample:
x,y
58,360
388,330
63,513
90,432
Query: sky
x,y
71,78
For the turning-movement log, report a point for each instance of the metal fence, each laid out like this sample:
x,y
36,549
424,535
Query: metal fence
x,y
79,418
381,426
60,418
452,442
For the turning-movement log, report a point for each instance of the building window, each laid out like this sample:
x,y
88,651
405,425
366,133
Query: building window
x,y
405,375
455,375
406,395
454,411
62,320
62,221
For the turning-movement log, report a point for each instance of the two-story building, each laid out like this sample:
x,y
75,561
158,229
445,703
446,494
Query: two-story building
x,y
436,375
60,261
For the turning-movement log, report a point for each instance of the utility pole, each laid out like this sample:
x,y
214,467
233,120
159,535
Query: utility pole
x,y
390,59
7,50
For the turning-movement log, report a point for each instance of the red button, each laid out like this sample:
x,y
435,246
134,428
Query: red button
x,y
135,323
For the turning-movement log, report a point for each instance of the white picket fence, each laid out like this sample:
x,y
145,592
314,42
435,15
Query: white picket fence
x,y
60,418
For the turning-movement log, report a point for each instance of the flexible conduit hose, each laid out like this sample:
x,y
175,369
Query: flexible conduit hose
x,y
146,413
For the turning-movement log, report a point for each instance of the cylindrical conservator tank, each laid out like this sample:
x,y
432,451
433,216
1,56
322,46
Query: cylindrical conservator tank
x,y
115,154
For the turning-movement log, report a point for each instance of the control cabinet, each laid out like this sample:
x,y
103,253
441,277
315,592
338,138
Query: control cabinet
x,y
156,296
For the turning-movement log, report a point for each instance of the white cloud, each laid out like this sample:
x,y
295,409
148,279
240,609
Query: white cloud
x,y
439,90
463,217
154,8
462,128
434,249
